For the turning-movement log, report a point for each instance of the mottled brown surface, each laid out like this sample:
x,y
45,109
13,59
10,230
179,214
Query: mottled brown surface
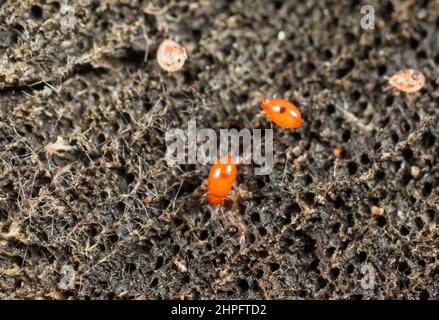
x,y
89,208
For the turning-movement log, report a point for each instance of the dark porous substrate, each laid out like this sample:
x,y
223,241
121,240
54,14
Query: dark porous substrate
x,y
89,208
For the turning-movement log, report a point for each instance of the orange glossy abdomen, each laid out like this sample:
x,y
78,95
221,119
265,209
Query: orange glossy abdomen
x,y
220,180
282,112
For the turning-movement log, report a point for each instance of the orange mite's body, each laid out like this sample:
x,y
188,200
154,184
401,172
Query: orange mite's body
x,y
408,80
220,180
282,112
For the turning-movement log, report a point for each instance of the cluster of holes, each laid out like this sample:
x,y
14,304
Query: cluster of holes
x,y
381,221
407,154
352,167
427,189
428,140
36,12
339,202
130,267
309,197
349,64
364,159
346,135
334,273
419,223
204,234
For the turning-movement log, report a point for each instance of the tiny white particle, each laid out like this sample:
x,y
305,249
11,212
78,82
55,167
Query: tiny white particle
x,y
281,36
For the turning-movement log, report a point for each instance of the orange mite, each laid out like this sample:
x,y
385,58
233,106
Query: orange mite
x,y
220,180
282,112
408,80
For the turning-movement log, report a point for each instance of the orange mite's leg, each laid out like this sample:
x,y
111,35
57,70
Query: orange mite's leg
x,y
409,99
235,200
262,113
387,88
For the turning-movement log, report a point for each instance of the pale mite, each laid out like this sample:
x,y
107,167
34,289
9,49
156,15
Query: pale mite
x,y
408,80
171,56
